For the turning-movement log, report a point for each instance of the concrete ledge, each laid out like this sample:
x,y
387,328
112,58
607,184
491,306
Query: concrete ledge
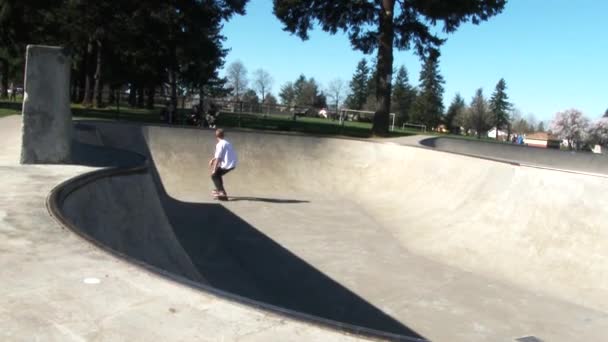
x,y
47,119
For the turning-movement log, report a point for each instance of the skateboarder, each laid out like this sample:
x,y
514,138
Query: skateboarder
x,y
223,161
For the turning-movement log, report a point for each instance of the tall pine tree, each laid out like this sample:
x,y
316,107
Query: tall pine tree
x,y
358,86
382,26
403,96
500,106
479,113
456,109
429,103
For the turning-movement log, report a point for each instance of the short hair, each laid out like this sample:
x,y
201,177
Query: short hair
x,y
219,133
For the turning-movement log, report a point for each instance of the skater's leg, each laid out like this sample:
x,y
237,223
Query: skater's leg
x,y
218,181
216,177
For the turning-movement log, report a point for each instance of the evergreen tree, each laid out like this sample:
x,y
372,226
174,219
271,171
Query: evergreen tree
x,y
287,94
541,127
358,86
456,109
381,26
403,96
371,101
145,44
429,103
479,113
500,106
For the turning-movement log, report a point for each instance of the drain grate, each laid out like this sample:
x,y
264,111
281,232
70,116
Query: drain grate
x,y
528,339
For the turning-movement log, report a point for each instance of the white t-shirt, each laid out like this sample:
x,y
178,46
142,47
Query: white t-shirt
x,y
225,155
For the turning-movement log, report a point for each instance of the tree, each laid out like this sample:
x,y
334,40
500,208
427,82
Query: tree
x,y
403,96
336,91
320,101
570,125
262,82
454,118
287,94
270,100
250,97
517,123
598,132
429,103
532,123
500,106
541,127
143,44
358,86
371,101
383,26
606,114
237,78
306,92
480,115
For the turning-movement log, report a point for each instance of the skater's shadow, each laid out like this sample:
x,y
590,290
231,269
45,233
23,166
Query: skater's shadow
x,y
267,200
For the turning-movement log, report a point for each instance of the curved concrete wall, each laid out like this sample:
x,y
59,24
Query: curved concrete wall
x,y
550,158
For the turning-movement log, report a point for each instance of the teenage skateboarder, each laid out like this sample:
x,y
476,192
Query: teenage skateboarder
x,y
224,161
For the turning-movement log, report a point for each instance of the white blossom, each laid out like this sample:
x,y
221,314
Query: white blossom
x,y
572,126
598,132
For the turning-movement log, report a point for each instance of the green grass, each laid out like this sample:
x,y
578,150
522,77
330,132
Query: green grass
x,y
307,125
10,108
283,123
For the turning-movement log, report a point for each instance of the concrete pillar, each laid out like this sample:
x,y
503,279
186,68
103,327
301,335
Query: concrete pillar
x,y
47,119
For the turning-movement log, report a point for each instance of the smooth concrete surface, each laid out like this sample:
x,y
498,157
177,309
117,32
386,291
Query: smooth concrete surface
x,y
47,119
43,268
578,161
394,238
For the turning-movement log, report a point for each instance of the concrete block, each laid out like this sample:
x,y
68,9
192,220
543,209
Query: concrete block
x,y
47,119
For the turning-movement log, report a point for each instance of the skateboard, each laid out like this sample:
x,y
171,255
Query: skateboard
x,y
218,197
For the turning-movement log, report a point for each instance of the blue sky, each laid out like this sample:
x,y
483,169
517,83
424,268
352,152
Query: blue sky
x,y
552,54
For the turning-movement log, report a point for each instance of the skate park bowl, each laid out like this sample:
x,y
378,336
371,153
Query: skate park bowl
x,y
379,239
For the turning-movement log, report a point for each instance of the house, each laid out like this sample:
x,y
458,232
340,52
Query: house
x,y
502,135
542,139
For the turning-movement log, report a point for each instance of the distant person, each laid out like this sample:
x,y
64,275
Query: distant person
x,y
223,161
520,140
210,120
13,96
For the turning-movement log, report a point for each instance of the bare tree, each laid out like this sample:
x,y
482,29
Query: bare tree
x,y
262,83
532,123
336,90
237,78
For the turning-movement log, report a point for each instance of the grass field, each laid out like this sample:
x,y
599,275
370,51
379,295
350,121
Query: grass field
x,y
269,122
10,108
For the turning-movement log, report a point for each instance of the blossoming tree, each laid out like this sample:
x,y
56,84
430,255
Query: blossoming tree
x,y
572,126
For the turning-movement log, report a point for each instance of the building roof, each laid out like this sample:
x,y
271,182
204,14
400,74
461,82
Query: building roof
x,y
542,136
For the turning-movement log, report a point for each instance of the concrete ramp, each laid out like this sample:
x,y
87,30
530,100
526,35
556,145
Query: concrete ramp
x,y
371,237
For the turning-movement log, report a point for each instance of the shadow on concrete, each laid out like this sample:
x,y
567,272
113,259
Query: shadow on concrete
x,y
267,200
236,257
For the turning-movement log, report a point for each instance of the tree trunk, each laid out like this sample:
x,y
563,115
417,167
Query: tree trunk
x,y
97,102
4,94
88,94
133,95
150,98
112,95
384,69
141,100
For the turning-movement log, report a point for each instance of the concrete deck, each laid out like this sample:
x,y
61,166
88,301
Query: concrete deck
x,y
393,238
43,296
